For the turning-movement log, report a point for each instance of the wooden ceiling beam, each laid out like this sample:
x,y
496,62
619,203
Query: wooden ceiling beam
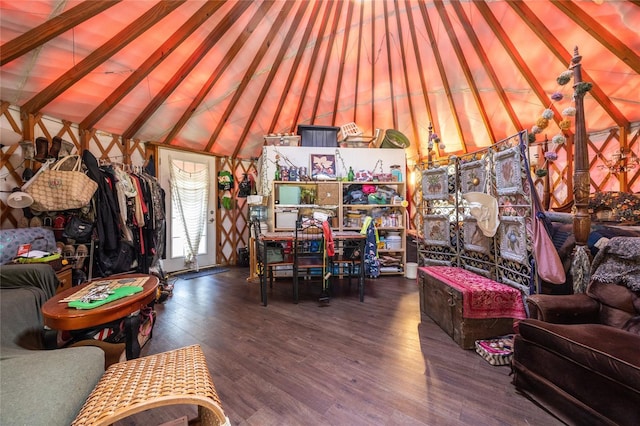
x,y
327,58
156,58
443,74
277,61
359,58
200,52
560,52
249,74
418,56
52,28
519,62
407,88
394,111
234,50
600,33
453,38
294,67
312,62
486,63
100,55
373,62
343,55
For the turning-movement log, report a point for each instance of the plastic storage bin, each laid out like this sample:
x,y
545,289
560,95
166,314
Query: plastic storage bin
x,y
319,136
289,194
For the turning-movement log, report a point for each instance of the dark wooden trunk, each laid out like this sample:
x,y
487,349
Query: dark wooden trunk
x,y
443,304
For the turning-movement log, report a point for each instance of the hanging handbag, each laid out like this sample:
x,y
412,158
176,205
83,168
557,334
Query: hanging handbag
x,y
548,264
78,229
56,190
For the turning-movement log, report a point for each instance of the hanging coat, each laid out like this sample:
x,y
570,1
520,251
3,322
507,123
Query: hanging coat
x,y
371,261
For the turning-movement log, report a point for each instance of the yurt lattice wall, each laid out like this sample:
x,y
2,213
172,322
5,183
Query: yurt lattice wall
x,y
109,148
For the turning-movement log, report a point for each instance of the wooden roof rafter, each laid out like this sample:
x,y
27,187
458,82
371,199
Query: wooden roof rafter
x,y
343,55
186,68
453,38
441,69
418,56
155,59
600,33
414,119
296,63
358,59
373,60
272,73
249,73
486,63
212,39
392,98
312,62
100,55
560,52
325,64
517,59
52,28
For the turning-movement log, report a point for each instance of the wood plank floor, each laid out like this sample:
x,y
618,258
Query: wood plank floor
x,y
348,363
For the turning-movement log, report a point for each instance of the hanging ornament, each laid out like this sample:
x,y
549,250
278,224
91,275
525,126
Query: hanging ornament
x,y
569,112
551,155
547,113
535,130
565,77
565,124
557,96
542,123
558,139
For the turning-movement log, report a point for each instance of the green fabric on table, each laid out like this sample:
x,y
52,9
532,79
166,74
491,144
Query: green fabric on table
x,y
118,293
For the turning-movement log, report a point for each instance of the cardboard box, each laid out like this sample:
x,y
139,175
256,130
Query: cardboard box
x,y
328,194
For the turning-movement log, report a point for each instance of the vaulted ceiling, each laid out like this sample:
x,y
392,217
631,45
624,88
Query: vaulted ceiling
x,y
216,76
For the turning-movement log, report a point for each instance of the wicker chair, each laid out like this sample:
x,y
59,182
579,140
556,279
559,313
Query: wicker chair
x,y
176,377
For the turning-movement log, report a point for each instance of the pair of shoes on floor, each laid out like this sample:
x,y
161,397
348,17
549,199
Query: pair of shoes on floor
x,y
75,256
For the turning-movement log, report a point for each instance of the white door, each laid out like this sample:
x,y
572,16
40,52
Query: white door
x,y
176,246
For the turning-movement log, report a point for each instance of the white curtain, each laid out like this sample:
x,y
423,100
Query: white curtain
x,y
190,193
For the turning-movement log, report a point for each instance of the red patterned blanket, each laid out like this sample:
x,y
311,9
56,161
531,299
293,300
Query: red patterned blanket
x,y
482,297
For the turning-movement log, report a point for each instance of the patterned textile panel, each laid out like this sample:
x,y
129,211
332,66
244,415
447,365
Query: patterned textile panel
x,y
10,239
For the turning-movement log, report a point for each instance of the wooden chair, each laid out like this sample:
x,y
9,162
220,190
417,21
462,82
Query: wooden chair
x,y
268,257
310,260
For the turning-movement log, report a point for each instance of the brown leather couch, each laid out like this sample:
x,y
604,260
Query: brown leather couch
x,y
578,355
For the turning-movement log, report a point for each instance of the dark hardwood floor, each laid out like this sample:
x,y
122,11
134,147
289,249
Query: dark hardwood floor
x,y
348,363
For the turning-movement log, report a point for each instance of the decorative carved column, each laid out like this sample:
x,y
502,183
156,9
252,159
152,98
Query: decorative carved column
x,y
581,179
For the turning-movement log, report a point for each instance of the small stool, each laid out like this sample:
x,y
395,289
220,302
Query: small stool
x,y
175,377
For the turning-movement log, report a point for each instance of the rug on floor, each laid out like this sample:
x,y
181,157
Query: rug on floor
x,y
189,275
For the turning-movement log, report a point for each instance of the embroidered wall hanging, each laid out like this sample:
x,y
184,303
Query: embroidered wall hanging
x,y
473,176
436,230
508,173
435,184
513,238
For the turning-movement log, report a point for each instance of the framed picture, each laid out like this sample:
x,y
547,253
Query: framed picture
x,y
474,239
435,184
472,176
436,230
323,166
513,238
508,174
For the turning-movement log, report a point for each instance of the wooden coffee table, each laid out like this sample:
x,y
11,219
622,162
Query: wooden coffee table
x,y
58,316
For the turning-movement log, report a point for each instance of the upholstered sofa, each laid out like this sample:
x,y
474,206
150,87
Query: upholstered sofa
x,y
38,387
578,355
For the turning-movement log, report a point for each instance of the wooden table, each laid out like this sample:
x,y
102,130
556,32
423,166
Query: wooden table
x,y
58,316
286,236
